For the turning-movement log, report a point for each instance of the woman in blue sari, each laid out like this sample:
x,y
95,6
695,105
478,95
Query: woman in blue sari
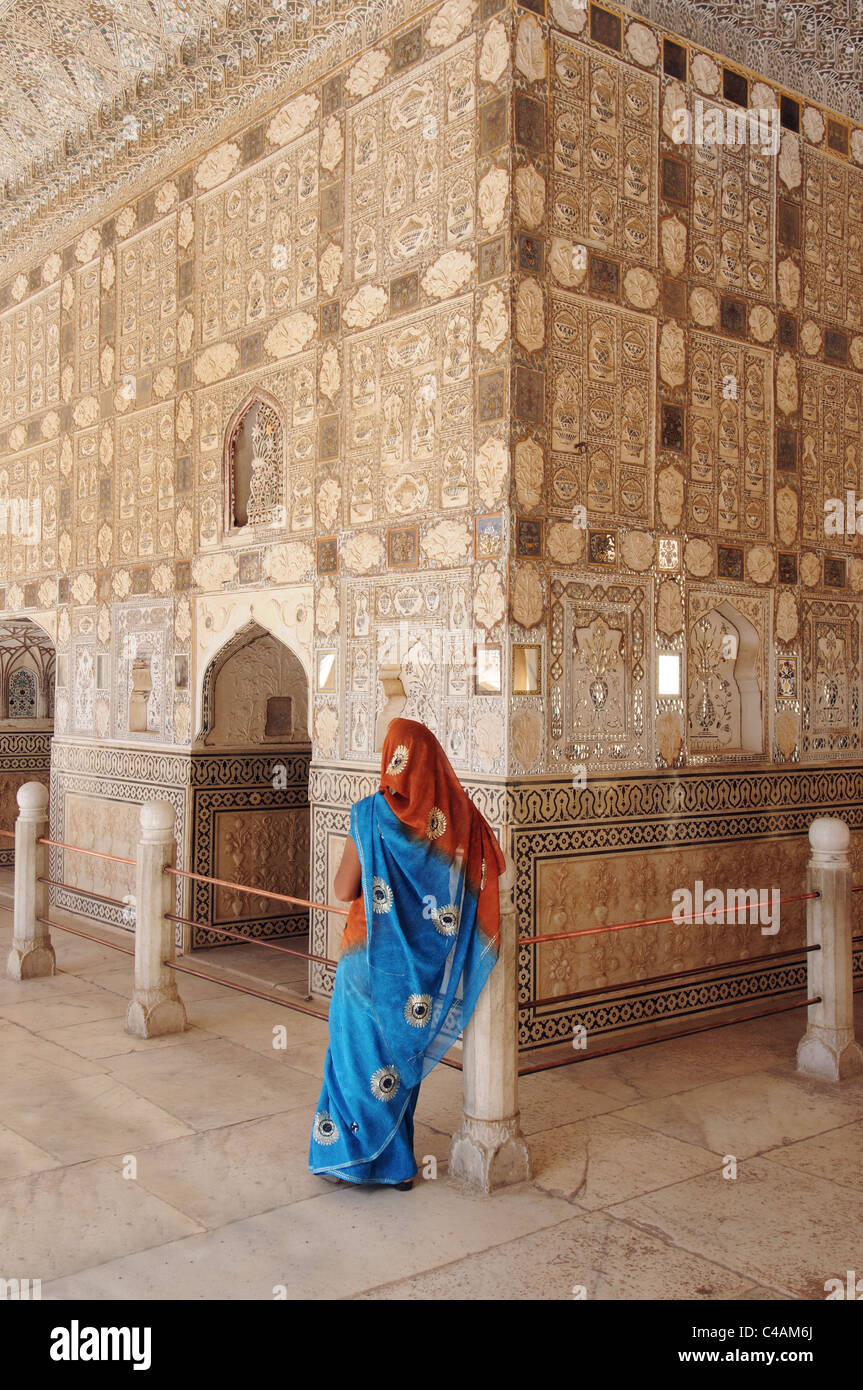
x,y
421,865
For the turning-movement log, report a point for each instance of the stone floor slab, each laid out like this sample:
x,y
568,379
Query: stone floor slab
x,y
786,1229
56,1222
837,1155
750,1114
215,1082
606,1159
19,1157
322,1248
82,1117
604,1257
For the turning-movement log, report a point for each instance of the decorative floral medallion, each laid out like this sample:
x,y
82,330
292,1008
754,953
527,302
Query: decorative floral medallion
x,y
418,1010
382,895
385,1082
324,1130
445,919
399,759
436,823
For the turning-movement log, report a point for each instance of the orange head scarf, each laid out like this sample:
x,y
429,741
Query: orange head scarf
x,y
423,791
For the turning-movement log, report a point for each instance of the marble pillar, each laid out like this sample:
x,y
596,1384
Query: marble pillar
x,y
828,1048
32,953
156,1006
488,1151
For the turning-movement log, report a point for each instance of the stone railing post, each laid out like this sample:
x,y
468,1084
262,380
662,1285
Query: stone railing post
x,y
156,1007
488,1151
32,953
827,1048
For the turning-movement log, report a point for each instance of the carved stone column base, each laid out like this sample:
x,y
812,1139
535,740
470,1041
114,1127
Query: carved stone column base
x,y
830,1054
29,962
154,1017
488,1154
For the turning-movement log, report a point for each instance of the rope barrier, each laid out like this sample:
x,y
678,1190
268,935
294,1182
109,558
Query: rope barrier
x,y
658,921
661,979
668,1037
76,888
76,931
256,892
95,853
251,941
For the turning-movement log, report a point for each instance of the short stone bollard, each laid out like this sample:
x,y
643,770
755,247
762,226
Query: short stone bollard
x,y
828,1048
489,1151
32,953
156,1007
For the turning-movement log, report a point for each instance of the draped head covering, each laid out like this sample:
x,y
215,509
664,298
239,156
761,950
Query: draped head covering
x,y
419,785
420,943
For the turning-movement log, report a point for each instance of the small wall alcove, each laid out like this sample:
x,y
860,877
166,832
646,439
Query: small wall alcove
x,y
250,789
28,671
725,704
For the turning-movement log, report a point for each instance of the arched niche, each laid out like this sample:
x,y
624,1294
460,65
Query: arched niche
x,y
725,702
255,693
254,464
251,821
28,672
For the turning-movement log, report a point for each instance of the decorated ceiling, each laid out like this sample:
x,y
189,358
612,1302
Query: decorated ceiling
x,y
89,90
61,61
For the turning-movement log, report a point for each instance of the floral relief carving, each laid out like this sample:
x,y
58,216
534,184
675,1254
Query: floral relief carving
x,y
450,22
489,603
447,542
640,288
571,15
530,49
332,144
567,265
526,737
786,616
788,277
494,54
294,119
669,490
493,189
492,323
672,354
530,315
448,274
642,44
216,362
669,608
491,464
290,335
363,552
529,195
528,473
218,165
637,550
527,601
367,305
565,543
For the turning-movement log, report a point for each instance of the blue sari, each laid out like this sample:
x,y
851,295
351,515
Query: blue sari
x,y
400,1000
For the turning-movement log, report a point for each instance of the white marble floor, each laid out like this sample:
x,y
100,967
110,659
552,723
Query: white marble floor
x,y
628,1199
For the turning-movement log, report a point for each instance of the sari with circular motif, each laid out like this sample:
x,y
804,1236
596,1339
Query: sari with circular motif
x,y
420,943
